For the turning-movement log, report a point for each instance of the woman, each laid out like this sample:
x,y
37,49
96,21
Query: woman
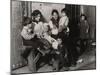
x,y
37,21
53,23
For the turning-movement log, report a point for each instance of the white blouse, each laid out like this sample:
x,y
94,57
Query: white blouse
x,y
54,29
63,23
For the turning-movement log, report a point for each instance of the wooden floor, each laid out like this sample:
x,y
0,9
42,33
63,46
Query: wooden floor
x,y
89,62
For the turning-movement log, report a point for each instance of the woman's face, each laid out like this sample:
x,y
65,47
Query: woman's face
x,y
37,18
55,15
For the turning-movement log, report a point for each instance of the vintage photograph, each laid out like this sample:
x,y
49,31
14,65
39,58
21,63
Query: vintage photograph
x,y
52,37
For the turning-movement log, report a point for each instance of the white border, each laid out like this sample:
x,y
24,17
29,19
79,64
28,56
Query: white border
x,y
86,2
5,36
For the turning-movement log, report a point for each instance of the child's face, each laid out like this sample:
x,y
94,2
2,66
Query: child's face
x,y
59,41
37,18
63,14
55,16
82,17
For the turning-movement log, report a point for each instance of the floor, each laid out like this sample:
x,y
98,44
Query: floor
x,y
89,62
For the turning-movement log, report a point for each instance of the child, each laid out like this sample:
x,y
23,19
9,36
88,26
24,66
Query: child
x,y
28,34
63,23
84,28
40,27
59,56
29,37
54,23
84,35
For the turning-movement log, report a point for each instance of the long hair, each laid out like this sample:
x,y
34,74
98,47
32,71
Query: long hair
x,y
35,13
53,20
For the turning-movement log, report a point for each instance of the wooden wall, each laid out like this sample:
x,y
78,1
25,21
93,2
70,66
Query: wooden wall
x,y
16,25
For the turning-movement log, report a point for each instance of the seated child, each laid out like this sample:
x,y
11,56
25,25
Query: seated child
x,y
59,56
30,38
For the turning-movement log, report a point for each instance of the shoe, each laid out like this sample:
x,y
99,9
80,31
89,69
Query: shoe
x,y
80,61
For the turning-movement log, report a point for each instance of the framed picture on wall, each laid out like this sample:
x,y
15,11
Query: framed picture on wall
x,y
52,37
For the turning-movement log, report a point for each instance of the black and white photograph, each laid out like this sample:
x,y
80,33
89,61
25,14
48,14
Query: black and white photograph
x,y
52,37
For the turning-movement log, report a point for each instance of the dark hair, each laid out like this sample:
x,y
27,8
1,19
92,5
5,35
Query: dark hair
x,y
27,20
52,19
64,10
35,13
84,16
54,11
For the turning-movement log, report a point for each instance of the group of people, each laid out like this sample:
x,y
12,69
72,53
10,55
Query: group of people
x,y
51,38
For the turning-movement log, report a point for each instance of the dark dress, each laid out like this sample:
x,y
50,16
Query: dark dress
x,y
83,29
84,35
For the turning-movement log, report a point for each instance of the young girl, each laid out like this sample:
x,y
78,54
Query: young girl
x,y
27,32
54,23
31,43
84,28
29,37
84,35
63,26
64,20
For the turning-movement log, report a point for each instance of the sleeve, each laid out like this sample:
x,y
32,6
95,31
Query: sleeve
x,y
61,21
66,21
45,27
51,24
25,34
87,26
